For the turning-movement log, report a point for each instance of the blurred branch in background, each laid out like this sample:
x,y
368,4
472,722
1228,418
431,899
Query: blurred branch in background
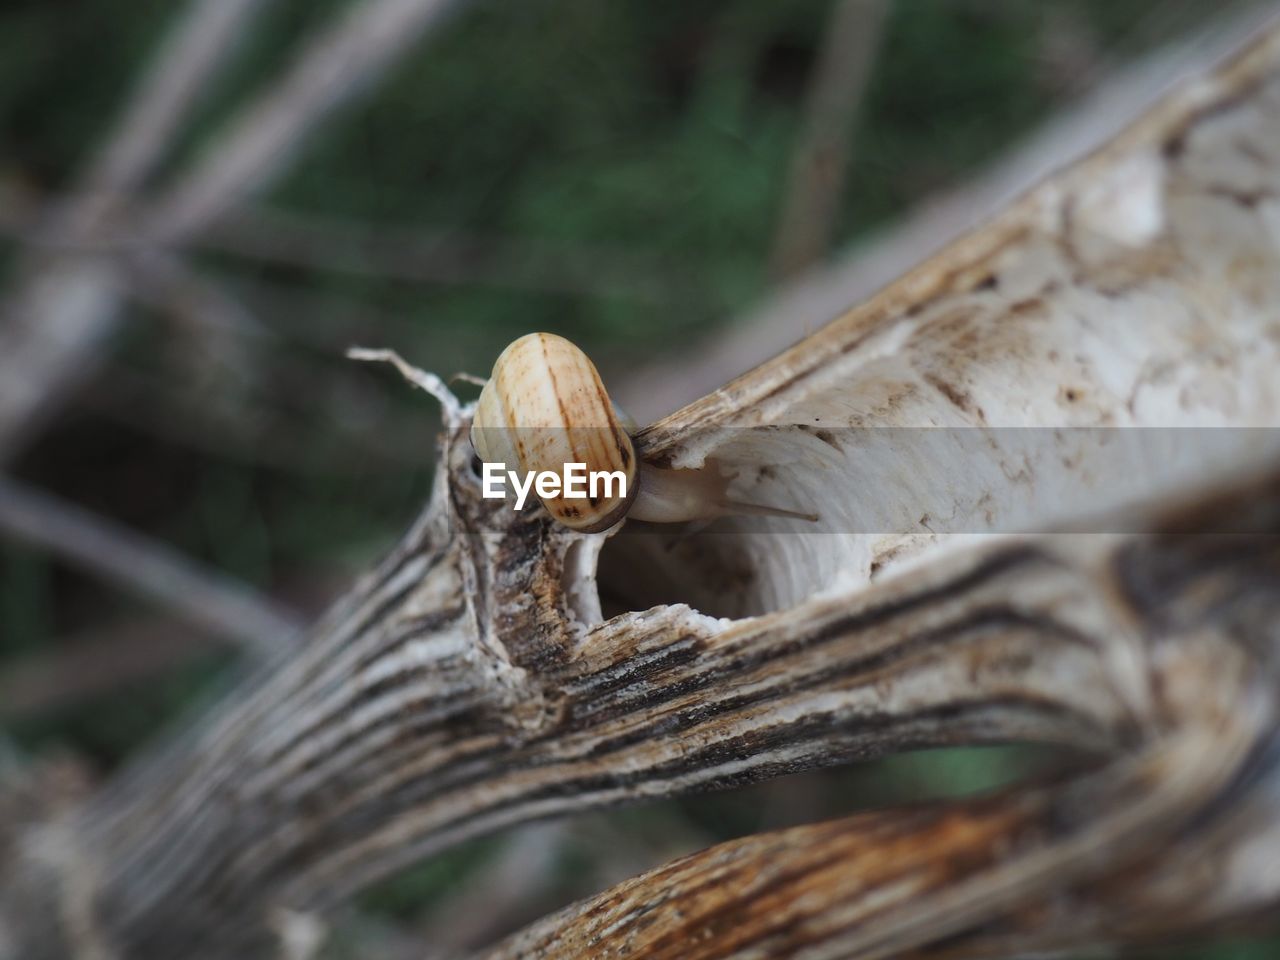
x,y
820,163
201,39
443,256
63,308
61,313
246,385
267,434
79,668
338,64
146,568
420,255
508,891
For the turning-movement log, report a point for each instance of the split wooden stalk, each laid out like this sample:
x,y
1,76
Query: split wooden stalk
x,y
1163,843
472,682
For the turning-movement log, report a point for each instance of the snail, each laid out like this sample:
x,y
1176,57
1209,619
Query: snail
x,y
545,407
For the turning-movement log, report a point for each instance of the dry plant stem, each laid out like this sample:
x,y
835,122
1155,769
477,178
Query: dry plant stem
x,y
1067,866
471,683
144,567
1086,305
454,693
1144,167
1164,843
406,726
819,165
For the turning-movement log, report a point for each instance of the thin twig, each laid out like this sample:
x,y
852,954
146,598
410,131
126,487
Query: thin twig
x,y
144,567
451,407
821,159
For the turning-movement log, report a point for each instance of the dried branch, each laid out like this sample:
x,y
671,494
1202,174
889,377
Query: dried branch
x,y
146,568
820,162
1027,872
472,683
502,724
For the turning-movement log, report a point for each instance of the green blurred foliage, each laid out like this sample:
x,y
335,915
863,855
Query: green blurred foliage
x,y
651,133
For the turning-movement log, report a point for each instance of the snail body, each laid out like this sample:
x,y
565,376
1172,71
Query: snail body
x,y
545,407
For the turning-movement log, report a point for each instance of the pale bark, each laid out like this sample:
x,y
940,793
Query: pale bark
x,y
472,681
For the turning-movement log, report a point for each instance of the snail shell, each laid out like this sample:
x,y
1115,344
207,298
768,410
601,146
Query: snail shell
x,y
545,406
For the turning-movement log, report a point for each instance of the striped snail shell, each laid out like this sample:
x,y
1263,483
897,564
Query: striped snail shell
x,y
544,407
